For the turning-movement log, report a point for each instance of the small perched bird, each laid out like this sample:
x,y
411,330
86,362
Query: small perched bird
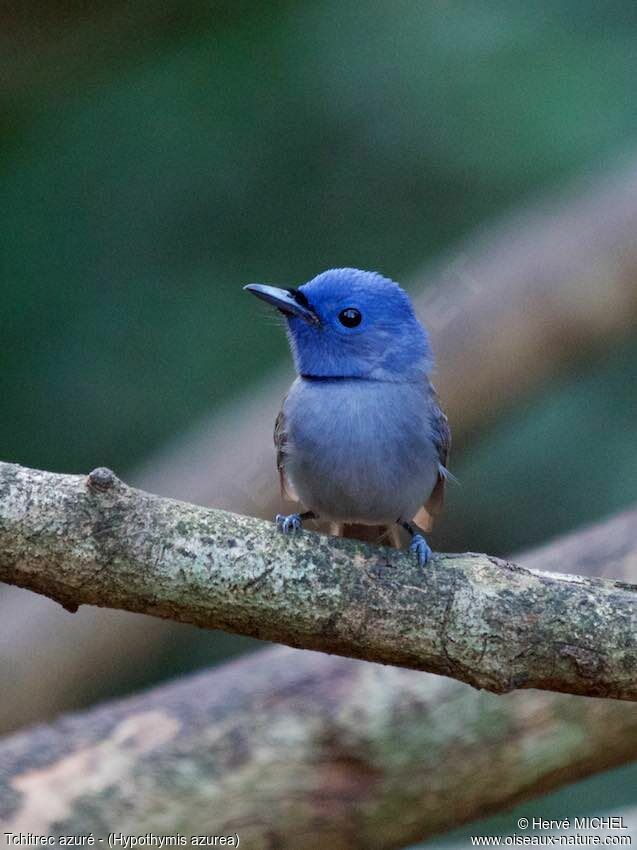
x,y
360,438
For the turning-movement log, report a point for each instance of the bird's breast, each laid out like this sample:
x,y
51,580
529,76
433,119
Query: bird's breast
x,y
360,450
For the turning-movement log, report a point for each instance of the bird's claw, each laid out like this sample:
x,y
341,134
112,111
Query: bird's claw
x,y
422,549
288,524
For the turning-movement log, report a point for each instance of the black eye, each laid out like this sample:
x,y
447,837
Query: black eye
x,y
350,317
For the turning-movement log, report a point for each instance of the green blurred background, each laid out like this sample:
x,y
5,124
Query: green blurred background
x,y
158,156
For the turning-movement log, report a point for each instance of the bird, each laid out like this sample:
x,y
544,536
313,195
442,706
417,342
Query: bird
x,y
361,439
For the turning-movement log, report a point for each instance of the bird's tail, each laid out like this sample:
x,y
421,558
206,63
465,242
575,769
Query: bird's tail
x,y
380,535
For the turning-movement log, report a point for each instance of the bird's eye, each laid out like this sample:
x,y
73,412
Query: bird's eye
x,y
350,317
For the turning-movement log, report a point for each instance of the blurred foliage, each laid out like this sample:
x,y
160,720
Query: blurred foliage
x,y
564,457
157,157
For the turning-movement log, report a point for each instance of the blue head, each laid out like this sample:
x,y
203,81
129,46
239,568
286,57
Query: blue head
x,y
351,323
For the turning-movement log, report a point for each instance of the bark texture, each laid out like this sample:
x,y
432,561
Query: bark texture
x,y
478,619
298,750
294,750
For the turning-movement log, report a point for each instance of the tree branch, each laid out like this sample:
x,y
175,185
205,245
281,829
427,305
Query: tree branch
x,y
298,750
475,618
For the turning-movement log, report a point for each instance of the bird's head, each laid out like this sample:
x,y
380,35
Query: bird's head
x,y
352,323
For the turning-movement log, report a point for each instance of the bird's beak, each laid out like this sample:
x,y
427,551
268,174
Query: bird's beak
x,y
291,302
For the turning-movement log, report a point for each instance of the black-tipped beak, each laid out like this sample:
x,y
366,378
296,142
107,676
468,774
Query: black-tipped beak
x,y
291,302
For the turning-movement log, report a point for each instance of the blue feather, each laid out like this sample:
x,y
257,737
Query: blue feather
x,y
389,344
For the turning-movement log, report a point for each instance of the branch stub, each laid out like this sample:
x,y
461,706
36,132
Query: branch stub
x,y
101,479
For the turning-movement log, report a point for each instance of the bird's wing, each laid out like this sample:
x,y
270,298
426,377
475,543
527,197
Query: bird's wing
x,y
441,434
280,441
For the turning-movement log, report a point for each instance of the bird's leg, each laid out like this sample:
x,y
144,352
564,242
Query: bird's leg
x,y
292,522
418,543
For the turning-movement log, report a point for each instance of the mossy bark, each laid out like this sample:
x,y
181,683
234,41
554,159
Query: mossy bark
x,y
472,617
299,750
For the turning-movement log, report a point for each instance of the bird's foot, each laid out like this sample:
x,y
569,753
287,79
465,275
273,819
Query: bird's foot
x,y
422,549
288,524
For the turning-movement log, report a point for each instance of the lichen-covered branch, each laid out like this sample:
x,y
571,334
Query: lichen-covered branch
x,y
475,618
299,750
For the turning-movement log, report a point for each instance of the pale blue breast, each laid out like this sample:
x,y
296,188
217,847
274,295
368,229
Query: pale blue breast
x,y
360,450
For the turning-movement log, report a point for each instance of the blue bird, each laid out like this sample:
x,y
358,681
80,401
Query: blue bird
x,y
360,439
